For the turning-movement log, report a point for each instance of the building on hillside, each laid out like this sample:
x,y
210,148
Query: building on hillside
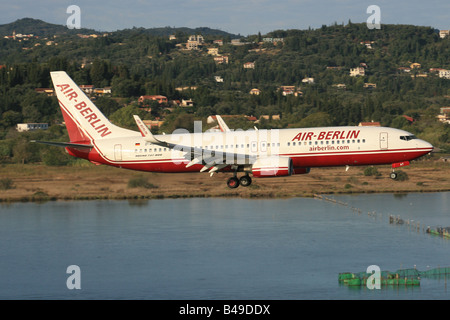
x,y
435,70
369,124
358,71
102,91
249,65
213,51
368,44
408,118
194,42
159,98
370,85
273,40
255,91
221,59
49,91
186,88
404,69
187,103
270,117
153,123
87,88
308,80
445,110
237,42
444,115
445,74
419,75
340,86
287,90
444,33
334,68
21,127
415,65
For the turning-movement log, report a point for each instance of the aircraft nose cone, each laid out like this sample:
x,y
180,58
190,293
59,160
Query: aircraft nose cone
x,y
427,145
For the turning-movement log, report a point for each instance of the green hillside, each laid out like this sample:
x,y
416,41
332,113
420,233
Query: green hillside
x,y
400,65
39,28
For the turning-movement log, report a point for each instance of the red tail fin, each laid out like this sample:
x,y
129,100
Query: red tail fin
x,y
75,134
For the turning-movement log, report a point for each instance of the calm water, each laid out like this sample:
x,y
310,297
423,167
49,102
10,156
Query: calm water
x,y
219,248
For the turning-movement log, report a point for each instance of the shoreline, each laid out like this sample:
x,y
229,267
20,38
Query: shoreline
x,y
38,183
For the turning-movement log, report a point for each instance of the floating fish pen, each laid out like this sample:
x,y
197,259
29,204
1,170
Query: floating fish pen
x,y
439,231
399,278
402,277
437,273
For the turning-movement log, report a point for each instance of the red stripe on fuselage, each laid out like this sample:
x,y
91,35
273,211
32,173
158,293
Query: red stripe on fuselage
x,y
299,160
356,159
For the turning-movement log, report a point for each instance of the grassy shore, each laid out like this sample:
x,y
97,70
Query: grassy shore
x,y
86,182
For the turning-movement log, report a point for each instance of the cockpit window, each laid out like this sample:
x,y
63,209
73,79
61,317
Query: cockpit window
x,y
407,138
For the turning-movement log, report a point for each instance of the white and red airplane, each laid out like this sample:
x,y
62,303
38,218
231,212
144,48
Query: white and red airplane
x,y
261,153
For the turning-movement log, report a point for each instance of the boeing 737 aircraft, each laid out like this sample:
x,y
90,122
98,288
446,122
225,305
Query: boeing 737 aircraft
x,y
260,153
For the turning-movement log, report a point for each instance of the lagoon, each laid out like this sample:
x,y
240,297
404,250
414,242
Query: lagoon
x,y
220,248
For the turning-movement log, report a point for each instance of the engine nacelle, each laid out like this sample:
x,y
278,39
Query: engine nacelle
x,y
301,170
272,167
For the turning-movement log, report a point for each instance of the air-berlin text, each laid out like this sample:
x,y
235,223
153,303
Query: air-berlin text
x,y
326,135
85,111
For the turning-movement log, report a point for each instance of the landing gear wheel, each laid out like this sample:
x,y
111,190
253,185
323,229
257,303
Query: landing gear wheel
x,y
245,181
233,182
393,175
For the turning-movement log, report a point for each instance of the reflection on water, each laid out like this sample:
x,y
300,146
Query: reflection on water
x,y
400,195
220,248
138,202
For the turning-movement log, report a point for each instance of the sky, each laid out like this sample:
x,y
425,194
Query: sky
x,y
243,17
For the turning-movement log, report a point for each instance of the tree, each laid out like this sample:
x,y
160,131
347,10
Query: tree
x,y
123,117
107,105
100,73
22,152
11,118
54,156
125,87
319,119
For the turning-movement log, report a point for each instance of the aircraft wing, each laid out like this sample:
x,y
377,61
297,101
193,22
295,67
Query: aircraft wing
x,y
212,160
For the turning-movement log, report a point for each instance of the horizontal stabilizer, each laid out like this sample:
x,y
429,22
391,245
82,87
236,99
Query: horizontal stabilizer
x,y
66,144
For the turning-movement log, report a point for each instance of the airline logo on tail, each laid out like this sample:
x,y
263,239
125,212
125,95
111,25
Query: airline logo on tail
x,y
84,111
78,109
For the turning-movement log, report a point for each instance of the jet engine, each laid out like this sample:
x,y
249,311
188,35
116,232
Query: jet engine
x,y
272,167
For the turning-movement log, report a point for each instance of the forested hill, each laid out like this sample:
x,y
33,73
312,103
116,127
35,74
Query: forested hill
x,y
399,75
44,29
38,28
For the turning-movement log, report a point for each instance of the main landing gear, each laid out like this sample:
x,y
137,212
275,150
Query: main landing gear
x,y
234,182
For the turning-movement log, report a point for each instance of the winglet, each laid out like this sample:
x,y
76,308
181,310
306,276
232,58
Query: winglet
x,y
223,126
146,133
